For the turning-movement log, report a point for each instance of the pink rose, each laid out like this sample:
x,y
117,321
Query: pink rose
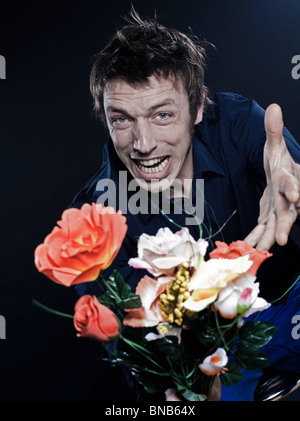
x,y
85,242
93,320
237,249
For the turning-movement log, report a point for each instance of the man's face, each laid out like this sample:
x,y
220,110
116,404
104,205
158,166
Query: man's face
x,y
150,127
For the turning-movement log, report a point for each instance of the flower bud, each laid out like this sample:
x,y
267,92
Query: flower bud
x,y
244,301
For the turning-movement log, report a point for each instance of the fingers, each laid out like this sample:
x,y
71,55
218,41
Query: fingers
x,y
253,238
280,168
289,185
274,125
282,194
267,239
286,216
276,228
266,209
215,392
171,395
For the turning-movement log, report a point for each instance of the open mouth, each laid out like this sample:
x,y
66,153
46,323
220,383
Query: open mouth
x,y
152,166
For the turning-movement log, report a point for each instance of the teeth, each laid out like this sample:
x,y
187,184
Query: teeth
x,y
147,165
150,162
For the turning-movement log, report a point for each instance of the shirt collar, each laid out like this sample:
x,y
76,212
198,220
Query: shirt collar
x,y
204,146
203,154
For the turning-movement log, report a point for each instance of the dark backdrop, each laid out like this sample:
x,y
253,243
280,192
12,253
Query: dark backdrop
x,y
50,146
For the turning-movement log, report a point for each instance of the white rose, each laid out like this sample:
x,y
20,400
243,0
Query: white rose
x,y
230,297
162,253
210,277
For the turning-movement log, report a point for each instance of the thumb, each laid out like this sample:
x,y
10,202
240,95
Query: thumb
x,y
274,125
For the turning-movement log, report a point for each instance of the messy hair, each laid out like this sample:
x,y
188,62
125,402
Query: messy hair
x,y
144,48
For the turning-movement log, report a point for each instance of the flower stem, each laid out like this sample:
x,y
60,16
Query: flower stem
x,y
108,287
192,372
141,350
50,310
279,298
219,330
235,320
118,311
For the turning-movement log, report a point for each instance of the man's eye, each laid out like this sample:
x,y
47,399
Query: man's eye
x,y
119,122
120,119
163,118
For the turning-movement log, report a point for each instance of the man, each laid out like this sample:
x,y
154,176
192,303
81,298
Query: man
x,y
148,89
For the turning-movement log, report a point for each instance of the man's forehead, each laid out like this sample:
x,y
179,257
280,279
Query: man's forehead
x,y
120,87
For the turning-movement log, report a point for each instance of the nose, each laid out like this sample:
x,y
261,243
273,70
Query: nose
x,y
143,140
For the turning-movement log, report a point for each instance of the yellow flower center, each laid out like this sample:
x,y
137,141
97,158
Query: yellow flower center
x,y
171,301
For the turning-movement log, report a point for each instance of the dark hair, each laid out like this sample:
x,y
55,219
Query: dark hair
x,y
144,48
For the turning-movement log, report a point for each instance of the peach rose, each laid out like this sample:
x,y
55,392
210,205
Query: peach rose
x,y
85,242
237,249
93,320
149,314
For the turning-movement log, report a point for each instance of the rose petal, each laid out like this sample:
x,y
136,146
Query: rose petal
x,y
85,241
200,299
240,248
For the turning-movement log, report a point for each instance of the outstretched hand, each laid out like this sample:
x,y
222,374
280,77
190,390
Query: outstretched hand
x,y
280,202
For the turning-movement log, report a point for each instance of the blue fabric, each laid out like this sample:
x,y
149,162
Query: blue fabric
x,y
228,154
283,349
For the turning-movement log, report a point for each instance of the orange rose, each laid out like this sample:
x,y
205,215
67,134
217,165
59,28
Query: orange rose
x,y
85,242
237,249
93,320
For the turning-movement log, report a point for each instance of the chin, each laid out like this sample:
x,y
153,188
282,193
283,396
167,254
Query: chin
x,y
155,185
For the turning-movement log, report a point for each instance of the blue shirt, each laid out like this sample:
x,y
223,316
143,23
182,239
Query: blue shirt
x,y
228,154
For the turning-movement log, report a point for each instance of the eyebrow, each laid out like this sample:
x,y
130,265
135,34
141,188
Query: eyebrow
x,y
113,109
162,104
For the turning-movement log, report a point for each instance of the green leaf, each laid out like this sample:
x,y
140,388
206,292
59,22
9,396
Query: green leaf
x,y
166,347
208,336
153,383
121,358
119,294
188,394
250,357
132,302
256,333
107,301
233,375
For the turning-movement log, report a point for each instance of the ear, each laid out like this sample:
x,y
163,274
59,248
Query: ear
x,y
199,114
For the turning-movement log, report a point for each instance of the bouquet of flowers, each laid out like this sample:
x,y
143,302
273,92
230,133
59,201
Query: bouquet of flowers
x,y
184,323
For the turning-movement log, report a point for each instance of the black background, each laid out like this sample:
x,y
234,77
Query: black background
x,y
51,144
